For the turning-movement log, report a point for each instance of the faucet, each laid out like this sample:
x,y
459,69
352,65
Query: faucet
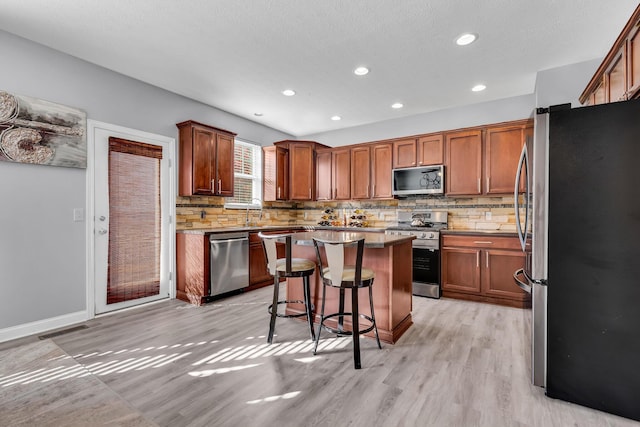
x,y
246,221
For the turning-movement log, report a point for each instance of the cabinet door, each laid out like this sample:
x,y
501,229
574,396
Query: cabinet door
x,y
404,153
497,274
615,79
224,164
599,95
360,173
503,146
341,168
258,271
282,173
203,172
431,150
633,63
323,175
381,167
463,163
461,270
301,171
275,173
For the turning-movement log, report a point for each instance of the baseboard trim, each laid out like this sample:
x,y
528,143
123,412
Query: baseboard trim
x,y
24,330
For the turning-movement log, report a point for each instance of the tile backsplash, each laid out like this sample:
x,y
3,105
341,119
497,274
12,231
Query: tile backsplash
x,y
478,213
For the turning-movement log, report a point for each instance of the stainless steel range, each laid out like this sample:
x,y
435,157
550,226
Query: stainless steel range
x,y
425,225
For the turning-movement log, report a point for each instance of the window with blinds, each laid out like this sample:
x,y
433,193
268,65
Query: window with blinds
x,y
247,168
134,220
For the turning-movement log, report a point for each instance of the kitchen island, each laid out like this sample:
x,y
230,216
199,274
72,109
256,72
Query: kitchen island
x,y
390,257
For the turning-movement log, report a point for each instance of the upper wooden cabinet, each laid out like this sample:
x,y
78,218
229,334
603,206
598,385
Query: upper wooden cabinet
x,y
381,167
502,148
484,161
341,173
430,150
324,189
206,160
463,163
618,77
333,174
302,170
275,164
423,151
404,153
361,172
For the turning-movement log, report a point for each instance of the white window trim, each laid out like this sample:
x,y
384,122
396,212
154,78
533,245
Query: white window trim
x,y
257,178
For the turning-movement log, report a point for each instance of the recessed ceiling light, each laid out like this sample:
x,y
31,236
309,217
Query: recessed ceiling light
x,y
397,105
335,118
466,38
361,71
288,92
478,88
257,114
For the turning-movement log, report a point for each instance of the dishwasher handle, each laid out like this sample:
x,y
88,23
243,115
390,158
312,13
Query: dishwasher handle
x,y
228,237
239,239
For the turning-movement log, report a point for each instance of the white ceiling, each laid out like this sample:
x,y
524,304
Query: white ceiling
x,y
238,55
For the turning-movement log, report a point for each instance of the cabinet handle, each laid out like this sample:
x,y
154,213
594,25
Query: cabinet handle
x,y
488,178
374,191
477,259
479,185
219,186
368,194
213,185
478,242
278,192
487,254
309,193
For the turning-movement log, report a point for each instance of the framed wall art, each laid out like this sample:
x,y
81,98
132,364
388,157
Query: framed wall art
x,y
41,132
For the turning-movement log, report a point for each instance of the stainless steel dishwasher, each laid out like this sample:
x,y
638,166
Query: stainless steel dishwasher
x,y
229,262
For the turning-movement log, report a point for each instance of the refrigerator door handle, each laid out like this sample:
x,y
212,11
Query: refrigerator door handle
x,y
524,286
523,164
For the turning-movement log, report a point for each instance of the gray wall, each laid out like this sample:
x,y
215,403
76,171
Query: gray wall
x,y
564,84
520,107
42,251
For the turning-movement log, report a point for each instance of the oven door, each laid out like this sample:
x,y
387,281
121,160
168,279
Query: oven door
x,y
426,271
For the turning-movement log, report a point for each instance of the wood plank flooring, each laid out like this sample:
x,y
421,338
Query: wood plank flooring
x,y
460,364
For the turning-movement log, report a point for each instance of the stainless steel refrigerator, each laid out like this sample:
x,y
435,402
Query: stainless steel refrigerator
x,y
579,223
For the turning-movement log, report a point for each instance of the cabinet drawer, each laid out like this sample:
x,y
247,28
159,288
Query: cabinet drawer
x,y
481,241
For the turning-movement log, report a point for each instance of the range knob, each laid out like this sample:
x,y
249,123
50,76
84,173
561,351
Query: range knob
x,y
432,235
423,235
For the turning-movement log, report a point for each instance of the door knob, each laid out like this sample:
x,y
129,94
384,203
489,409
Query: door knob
x,y
102,231
102,218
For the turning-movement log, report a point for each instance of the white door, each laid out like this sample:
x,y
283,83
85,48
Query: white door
x,y
131,212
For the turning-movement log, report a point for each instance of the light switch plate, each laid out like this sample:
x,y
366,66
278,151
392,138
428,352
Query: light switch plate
x,y
78,214
488,216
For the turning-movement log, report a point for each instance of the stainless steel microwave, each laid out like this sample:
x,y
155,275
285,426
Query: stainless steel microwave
x,y
420,180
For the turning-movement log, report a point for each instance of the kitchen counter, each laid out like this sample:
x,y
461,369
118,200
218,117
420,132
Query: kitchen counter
x,y
496,233
258,228
390,257
371,240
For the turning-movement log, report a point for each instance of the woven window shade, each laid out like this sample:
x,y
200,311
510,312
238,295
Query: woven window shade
x,y
134,220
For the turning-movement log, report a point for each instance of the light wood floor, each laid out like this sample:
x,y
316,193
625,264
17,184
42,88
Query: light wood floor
x,y
172,364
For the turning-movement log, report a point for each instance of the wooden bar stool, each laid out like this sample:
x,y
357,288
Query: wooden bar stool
x,y
287,267
341,276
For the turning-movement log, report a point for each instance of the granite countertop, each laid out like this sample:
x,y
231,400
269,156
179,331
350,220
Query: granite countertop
x,y
371,240
256,228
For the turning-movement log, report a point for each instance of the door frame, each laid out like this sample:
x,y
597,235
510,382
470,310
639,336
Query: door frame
x,y
92,126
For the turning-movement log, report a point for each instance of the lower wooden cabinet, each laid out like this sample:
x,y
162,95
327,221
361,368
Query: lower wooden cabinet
x,y
258,272
481,267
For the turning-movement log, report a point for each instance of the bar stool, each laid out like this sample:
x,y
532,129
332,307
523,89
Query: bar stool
x,y
287,267
341,276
